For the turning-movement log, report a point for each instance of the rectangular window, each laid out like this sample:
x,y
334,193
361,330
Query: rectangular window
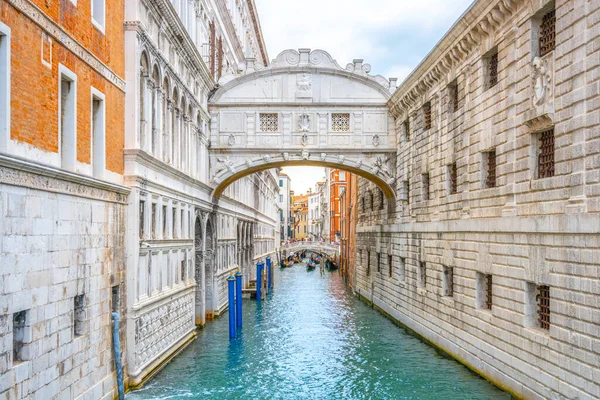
x,y
153,232
67,112
453,92
491,61
402,269
21,336
182,224
483,288
406,126
269,122
427,116
390,266
545,160
115,302
79,315
164,221
426,191
98,14
281,183
452,178
281,198
489,160
142,218
4,87
340,122
543,304
173,215
547,33
368,262
448,281
406,191
342,177
378,262
422,274
98,134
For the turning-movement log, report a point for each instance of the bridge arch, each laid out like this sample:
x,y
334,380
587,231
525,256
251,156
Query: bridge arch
x,y
304,109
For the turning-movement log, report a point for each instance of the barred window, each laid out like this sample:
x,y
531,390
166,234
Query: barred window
x,y
390,266
269,122
492,69
490,164
142,218
453,176
368,262
79,315
484,291
547,33
448,281
453,91
543,304
422,274
406,126
427,115
426,192
488,292
340,122
545,160
378,262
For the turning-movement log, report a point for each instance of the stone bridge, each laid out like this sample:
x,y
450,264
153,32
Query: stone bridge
x,y
318,247
303,109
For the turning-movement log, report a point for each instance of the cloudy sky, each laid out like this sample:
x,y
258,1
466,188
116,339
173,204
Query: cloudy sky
x,y
391,35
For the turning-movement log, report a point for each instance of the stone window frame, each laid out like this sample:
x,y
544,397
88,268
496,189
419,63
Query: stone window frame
x,y
79,315
448,281
340,113
482,295
265,115
98,6
21,336
485,168
426,186
487,61
452,178
5,71
402,269
67,133
536,22
453,96
390,265
422,275
406,128
532,307
98,133
427,112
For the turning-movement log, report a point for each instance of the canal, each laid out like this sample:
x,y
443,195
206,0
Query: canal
x,y
313,339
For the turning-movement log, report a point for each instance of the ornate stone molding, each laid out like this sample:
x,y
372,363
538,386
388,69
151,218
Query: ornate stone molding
x,y
482,20
21,172
65,39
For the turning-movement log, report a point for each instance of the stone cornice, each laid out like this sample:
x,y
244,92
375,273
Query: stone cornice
x,y
32,12
258,30
19,171
481,20
228,23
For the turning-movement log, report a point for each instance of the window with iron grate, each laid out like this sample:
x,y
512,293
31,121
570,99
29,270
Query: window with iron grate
x,y
381,200
545,162
492,69
483,291
427,115
269,122
378,262
426,191
488,292
490,169
547,33
543,306
453,177
402,269
368,262
406,126
340,122
390,266
453,91
142,217
422,274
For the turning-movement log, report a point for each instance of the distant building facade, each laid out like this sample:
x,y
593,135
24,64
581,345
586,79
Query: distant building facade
x,y
300,216
284,202
337,183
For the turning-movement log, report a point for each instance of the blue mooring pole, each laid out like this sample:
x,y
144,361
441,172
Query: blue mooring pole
x,y
231,291
117,349
259,267
238,298
269,277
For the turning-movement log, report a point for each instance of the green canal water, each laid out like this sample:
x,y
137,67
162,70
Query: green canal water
x,y
313,339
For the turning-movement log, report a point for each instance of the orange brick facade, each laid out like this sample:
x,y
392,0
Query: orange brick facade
x,y
348,222
34,65
338,181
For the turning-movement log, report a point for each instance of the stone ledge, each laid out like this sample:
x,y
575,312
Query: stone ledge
x,y
19,171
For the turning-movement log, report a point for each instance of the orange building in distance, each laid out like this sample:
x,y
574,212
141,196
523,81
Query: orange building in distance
x,y
338,180
300,216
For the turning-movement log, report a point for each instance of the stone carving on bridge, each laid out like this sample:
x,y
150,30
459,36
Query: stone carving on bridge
x,y
376,140
231,140
227,163
304,139
304,83
323,156
381,168
304,122
305,154
286,156
541,79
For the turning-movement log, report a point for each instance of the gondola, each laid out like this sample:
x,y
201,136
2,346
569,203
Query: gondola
x,y
310,265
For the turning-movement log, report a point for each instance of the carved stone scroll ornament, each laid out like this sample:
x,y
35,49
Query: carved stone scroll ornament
x,y
541,79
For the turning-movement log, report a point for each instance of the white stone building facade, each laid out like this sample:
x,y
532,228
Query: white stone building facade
x,y
285,186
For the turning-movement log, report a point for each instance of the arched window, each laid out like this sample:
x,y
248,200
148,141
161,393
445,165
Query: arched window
x,y
154,130
174,125
143,87
166,126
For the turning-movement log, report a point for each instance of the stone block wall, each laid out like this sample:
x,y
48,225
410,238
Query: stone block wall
x,y
61,276
523,239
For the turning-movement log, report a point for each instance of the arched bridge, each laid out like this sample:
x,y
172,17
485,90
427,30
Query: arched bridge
x,y
303,109
318,247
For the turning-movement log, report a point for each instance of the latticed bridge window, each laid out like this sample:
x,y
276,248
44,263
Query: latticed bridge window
x,y
340,122
547,34
546,154
269,122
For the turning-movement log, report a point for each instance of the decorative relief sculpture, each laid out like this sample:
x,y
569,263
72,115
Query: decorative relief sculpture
x,y
380,166
304,83
231,140
376,140
323,156
304,139
227,165
305,154
541,79
267,158
286,156
304,122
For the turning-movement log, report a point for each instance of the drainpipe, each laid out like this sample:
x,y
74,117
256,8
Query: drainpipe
x,y
117,350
